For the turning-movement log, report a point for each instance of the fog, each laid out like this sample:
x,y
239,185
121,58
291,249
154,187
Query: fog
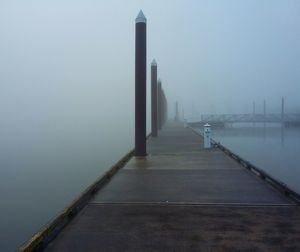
x,y
67,81
68,61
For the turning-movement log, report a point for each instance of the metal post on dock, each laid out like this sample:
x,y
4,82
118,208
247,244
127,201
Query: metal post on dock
x,y
159,104
176,111
166,107
140,85
154,98
282,109
165,110
265,119
264,110
207,137
163,107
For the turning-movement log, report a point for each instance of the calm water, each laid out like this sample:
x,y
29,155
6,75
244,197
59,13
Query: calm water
x,y
45,168
274,149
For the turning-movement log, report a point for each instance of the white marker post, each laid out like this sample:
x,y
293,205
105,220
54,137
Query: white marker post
x,y
207,131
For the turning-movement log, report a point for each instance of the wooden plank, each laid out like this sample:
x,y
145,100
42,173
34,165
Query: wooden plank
x,y
181,228
183,197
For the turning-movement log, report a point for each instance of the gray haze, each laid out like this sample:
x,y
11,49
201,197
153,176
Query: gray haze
x,y
67,84
73,58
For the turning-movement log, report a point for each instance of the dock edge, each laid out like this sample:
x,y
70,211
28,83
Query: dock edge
x,y
275,183
48,233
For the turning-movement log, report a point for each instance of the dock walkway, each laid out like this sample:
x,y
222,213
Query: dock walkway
x,y
183,198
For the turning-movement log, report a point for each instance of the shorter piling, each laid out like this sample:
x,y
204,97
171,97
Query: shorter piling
x,y
154,98
159,104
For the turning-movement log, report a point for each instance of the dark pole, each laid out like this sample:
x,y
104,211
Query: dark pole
x,y
282,109
264,110
282,121
253,113
154,98
159,103
140,85
176,111
164,108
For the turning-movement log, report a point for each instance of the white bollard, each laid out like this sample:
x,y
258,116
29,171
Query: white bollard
x,y
207,132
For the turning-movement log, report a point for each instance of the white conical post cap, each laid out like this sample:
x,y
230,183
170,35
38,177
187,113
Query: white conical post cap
x,y
153,63
140,18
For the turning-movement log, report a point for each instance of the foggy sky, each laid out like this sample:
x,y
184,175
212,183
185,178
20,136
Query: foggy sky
x,y
72,62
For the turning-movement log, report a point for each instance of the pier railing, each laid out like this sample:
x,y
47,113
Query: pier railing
x,y
280,186
248,118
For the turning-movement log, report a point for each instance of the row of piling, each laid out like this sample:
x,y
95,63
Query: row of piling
x,y
264,109
159,105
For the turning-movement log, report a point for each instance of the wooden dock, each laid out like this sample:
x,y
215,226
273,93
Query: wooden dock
x,y
182,197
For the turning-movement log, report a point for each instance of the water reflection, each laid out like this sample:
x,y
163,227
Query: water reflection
x,y
271,147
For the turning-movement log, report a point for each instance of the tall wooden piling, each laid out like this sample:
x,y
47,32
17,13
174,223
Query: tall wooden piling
x,y
140,85
154,98
159,104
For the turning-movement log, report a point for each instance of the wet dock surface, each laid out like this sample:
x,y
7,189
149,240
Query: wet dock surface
x,y
183,198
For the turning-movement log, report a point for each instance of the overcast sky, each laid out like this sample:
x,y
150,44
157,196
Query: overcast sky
x,y
72,60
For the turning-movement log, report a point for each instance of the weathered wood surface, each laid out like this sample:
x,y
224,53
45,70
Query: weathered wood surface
x,y
184,198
